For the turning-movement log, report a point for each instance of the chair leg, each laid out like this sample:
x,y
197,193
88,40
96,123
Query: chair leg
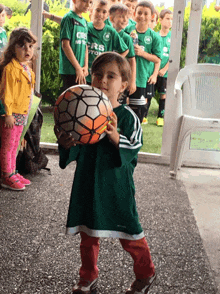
x,y
174,147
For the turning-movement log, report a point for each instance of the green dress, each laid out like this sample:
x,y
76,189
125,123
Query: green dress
x,y
102,201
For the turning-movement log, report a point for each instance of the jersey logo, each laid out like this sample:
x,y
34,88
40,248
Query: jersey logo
x,y
168,40
107,36
148,40
165,49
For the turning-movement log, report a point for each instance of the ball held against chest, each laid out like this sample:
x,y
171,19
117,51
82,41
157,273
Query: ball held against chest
x,y
84,112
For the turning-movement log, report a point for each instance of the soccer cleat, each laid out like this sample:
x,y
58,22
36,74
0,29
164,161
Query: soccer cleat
x,y
160,122
141,286
24,181
85,287
145,121
12,183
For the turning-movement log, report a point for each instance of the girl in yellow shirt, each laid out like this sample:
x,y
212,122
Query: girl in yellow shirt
x,y
16,92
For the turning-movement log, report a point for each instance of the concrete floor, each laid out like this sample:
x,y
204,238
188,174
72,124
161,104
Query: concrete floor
x,y
203,189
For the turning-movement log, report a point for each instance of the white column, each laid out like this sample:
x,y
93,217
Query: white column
x,y
36,28
174,59
193,36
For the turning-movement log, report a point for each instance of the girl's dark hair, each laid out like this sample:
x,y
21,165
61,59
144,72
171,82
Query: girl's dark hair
x,y
18,36
2,7
110,57
146,4
164,12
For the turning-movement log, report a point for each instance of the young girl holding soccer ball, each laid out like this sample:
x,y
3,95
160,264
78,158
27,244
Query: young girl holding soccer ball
x,y
103,203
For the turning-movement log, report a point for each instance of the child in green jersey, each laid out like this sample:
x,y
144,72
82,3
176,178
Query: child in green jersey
x,y
147,50
118,15
73,65
131,4
166,17
150,90
102,37
3,36
105,206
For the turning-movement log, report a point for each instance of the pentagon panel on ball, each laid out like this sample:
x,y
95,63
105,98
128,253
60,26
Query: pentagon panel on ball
x,y
84,112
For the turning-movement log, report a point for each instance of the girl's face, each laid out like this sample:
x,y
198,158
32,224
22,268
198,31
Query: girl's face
x,y
108,79
2,18
24,53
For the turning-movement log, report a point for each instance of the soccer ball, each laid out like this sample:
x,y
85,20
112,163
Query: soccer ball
x,y
84,112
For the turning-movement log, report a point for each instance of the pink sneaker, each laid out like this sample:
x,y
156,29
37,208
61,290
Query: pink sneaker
x,y
12,183
24,181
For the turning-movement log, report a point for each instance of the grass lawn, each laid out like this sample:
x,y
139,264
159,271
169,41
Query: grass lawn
x,y
151,133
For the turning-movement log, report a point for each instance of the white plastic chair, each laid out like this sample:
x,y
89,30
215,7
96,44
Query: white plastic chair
x,y
197,106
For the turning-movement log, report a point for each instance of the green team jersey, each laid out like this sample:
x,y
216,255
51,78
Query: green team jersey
x,y
108,22
102,200
130,23
100,41
3,39
129,42
150,42
165,51
151,70
73,28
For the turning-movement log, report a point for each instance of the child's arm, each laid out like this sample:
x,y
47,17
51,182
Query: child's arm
x,y
80,78
150,57
86,64
132,87
52,17
153,78
163,70
125,53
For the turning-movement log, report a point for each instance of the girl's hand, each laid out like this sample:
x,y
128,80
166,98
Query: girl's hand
x,y
112,132
64,139
80,77
9,121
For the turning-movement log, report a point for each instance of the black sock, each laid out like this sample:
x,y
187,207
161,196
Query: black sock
x,y
147,106
161,108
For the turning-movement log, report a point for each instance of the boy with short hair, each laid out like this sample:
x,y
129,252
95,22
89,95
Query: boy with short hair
x,y
147,50
165,17
131,4
102,37
119,14
73,65
151,92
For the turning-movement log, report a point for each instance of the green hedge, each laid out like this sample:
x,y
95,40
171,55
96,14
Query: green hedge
x,y
209,50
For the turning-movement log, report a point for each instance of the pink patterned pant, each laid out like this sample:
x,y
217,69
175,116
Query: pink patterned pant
x,y
10,139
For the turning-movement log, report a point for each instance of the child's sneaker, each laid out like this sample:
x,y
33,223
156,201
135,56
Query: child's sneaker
x,y
160,122
12,183
24,181
141,286
145,121
85,287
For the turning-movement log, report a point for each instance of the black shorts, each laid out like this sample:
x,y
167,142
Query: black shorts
x,y
150,90
161,85
137,102
68,81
